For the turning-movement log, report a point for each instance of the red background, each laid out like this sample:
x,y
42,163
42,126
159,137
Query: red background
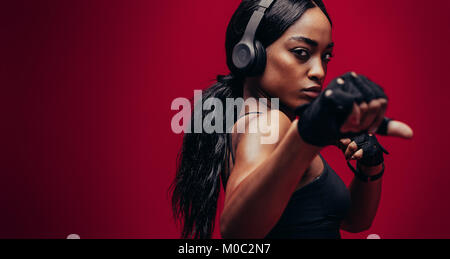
x,y
86,88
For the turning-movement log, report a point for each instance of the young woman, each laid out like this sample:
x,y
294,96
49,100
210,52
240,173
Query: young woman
x,y
285,189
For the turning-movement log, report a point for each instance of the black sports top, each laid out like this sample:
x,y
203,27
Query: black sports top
x,y
316,210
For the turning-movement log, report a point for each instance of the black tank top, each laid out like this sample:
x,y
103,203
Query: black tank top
x,y
316,210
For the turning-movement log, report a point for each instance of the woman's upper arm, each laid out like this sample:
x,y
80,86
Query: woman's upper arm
x,y
251,150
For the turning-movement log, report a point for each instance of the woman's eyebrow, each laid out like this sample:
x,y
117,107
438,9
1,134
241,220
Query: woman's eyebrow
x,y
310,41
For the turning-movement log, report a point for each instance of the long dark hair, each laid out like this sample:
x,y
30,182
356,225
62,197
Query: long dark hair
x,y
202,162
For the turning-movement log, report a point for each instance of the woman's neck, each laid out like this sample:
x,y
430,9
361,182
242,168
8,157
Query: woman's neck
x,y
252,89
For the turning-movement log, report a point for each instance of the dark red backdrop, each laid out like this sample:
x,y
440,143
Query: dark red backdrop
x,y
87,146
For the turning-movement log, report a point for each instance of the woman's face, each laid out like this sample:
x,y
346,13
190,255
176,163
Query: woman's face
x,y
298,60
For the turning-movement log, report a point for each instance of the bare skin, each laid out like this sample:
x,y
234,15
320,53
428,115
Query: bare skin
x,y
264,176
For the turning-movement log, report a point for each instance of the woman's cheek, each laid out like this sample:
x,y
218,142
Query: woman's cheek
x,y
278,71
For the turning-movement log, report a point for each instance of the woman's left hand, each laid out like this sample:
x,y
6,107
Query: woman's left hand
x,y
394,128
350,149
365,148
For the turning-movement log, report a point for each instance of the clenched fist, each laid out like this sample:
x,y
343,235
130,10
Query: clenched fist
x,y
349,106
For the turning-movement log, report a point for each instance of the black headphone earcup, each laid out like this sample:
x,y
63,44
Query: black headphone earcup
x,y
260,60
243,57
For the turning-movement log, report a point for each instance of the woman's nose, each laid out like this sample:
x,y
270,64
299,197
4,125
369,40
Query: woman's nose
x,y
317,72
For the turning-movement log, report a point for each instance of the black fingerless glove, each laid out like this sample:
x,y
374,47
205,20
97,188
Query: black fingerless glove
x,y
372,149
321,120
372,155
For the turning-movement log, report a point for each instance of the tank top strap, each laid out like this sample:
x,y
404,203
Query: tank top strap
x,y
250,113
230,146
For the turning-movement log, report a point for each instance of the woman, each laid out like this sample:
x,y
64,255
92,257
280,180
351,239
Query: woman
x,y
285,189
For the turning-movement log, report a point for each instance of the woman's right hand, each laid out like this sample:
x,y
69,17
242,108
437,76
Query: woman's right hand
x,y
350,105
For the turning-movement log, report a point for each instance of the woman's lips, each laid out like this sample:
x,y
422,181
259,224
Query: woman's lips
x,y
311,93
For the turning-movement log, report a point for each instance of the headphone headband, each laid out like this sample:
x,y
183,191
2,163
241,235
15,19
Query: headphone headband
x,y
255,20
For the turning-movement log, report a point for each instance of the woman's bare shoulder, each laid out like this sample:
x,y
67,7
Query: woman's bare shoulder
x,y
262,123
261,134
253,148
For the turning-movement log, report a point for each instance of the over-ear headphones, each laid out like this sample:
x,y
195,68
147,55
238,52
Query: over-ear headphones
x,y
249,55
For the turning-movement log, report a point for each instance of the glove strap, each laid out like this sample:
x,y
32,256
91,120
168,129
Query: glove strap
x,y
382,129
363,177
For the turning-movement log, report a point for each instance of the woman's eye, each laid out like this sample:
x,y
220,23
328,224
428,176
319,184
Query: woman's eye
x,y
301,54
328,57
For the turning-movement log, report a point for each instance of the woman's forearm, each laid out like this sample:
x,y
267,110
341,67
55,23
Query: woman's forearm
x,y
365,198
258,202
